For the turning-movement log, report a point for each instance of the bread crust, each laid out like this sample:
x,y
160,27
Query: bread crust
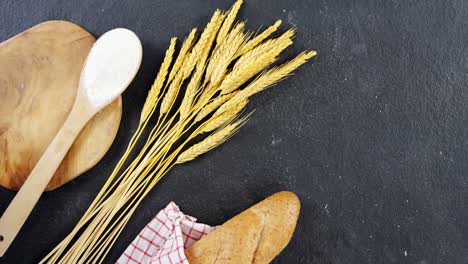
x,y
234,242
280,212
256,235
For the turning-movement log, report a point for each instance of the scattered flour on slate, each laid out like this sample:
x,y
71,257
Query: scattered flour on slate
x,y
291,17
276,141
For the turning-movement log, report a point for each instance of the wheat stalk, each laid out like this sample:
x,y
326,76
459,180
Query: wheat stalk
x,y
211,109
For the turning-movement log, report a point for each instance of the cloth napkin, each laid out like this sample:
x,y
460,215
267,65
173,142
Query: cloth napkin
x,y
164,239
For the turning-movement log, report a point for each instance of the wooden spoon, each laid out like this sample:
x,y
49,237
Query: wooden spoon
x,y
109,68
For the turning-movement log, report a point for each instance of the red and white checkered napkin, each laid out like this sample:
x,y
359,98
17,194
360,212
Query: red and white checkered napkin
x,y
163,240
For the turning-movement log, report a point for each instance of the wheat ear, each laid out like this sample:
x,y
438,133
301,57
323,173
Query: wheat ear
x,y
216,121
203,48
190,93
258,39
224,54
255,61
267,79
213,105
210,142
191,60
188,42
231,16
155,90
200,48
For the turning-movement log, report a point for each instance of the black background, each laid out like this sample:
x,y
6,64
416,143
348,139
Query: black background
x,y
372,134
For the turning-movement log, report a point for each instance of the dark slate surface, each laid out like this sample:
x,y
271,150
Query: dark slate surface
x,y
372,135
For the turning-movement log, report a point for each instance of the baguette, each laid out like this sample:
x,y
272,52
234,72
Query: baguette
x,y
256,235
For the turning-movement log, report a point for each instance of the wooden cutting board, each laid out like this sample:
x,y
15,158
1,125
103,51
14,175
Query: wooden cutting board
x,y
39,73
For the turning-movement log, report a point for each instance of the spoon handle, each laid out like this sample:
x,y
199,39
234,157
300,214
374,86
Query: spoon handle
x,y
22,204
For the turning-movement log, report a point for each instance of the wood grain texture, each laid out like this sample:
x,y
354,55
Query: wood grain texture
x,y
39,73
